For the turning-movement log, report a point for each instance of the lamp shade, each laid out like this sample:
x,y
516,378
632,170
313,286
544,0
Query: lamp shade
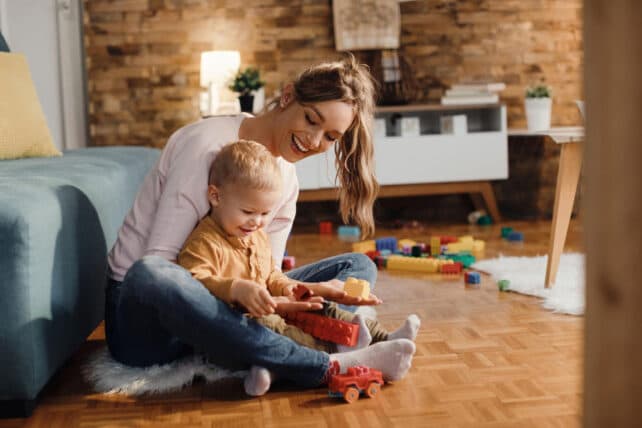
x,y
217,67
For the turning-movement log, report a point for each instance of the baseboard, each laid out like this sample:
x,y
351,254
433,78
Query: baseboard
x,y
16,408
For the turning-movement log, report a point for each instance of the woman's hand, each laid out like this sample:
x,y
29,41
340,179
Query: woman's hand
x,y
256,299
333,290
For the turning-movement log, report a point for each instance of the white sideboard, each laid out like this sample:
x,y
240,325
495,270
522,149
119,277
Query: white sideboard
x,y
427,162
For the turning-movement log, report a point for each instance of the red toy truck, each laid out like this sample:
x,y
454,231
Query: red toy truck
x,y
356,380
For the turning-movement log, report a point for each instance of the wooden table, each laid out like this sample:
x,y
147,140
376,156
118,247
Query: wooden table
x,y
572,141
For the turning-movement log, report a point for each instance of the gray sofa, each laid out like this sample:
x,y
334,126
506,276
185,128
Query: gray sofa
x,y
58,219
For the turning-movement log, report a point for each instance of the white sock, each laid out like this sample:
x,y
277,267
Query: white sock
x,y
258,381
408,330
393,358
363,339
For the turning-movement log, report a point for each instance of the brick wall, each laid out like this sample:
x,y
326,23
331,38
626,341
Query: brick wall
x,y
143,56
143,59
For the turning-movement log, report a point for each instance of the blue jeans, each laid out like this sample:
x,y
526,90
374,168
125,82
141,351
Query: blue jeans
x,y
159,313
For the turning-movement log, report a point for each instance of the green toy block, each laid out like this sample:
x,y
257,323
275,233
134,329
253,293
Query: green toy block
x,y
506,231
503,284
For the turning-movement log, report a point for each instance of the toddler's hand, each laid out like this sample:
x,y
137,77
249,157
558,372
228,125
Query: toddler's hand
x,y
253,297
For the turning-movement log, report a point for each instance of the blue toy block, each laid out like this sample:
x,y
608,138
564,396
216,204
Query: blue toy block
x,y
385,252
473,278
515,236
349,231
387,243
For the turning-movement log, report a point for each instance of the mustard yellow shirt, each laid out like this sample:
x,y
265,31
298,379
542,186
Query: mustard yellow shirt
x,y
216,259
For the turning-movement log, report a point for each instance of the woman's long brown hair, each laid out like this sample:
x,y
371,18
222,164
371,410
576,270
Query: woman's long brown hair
x,y
350,82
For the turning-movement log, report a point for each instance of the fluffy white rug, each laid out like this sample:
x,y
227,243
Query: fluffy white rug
x,y
526,276
110,377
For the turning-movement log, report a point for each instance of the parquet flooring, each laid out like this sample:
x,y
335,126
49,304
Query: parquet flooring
x,y
484,359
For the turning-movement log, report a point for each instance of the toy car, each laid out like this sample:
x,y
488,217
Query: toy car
x,y
356,380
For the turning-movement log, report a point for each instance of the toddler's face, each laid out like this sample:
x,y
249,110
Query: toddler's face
x,y
240,210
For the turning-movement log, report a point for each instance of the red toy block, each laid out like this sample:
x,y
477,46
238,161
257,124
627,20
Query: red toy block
x,y
301,292
356,380
373,255
288,263
455,268
448,239
324,328
325,227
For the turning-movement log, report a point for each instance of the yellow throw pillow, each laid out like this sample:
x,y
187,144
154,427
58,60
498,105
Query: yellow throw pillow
x,y
23,127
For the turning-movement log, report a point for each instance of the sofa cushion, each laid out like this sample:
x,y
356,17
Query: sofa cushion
x,y
23,127
58,219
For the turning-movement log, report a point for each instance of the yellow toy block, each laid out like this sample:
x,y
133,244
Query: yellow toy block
x,y
466,238
479,246
414,264
405,242
357,287
435,245
364,246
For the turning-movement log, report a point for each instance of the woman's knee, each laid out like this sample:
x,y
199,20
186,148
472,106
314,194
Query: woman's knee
x,y
364,267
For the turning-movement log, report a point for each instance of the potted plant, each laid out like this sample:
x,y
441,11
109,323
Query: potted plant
x,y
245,83
538,107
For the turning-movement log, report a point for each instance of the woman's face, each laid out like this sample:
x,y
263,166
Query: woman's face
x,y
304,129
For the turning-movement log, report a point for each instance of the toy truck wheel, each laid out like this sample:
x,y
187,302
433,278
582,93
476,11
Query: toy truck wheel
x,y
373,389
351,395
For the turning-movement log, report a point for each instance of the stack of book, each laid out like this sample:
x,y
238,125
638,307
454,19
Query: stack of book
x,y
473,93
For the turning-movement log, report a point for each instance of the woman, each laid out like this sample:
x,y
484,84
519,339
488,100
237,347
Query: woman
x,y
156,312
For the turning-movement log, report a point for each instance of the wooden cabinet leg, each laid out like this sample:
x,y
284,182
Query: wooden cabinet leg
x,y
567,178
488,194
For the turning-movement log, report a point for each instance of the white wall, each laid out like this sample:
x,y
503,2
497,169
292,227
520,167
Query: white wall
x,y
49,34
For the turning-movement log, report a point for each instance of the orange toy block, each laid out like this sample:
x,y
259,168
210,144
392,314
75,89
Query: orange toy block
x,y
357,287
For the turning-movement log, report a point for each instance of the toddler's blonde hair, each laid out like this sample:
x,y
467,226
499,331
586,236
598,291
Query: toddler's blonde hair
x,y
247,163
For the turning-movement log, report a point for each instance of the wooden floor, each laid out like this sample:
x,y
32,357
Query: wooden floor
x,y
484,359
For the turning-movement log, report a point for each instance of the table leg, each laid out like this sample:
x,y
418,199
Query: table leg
x,y
567,178
488,194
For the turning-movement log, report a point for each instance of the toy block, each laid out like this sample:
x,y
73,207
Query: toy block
x,y
408,242
506,231
325,227
485,220
385,252
387,243
352,231
503,284
301,292
373,254
515,236
414,264
474,217
466,259
324,328
381,262
479,246
416,250
435,245
472,278
364,246
357,287
451,268
406,250
447,239
288,263
466,238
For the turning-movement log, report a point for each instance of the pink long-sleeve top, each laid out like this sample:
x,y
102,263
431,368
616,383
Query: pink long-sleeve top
x,y
173,197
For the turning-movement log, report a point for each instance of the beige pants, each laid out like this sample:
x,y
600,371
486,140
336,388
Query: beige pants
x,y
277,324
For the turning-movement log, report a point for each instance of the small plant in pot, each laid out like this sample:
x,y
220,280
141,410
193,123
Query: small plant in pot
x,y
245,83
538,105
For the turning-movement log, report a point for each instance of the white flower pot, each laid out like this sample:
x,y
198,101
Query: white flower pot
x,y
538,113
